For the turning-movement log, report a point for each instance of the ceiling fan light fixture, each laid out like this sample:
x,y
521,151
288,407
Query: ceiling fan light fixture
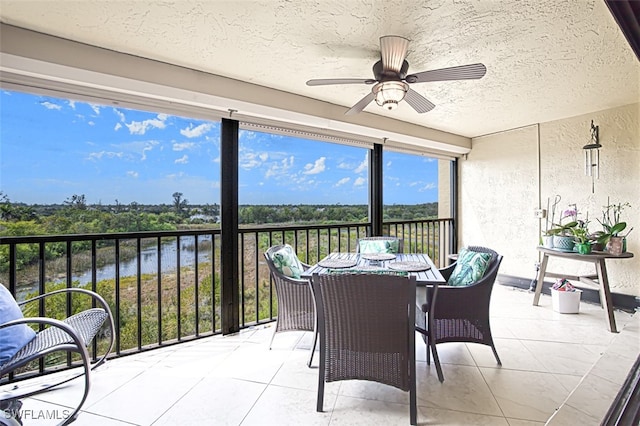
x,y
391,79
389,93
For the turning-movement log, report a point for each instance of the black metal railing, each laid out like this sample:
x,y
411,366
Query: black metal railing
x,y
164,287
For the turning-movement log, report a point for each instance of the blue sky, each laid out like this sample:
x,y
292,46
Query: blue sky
x,y
51,149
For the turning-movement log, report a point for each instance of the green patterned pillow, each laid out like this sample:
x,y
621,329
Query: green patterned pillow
x,y
470,267
378,246
286,261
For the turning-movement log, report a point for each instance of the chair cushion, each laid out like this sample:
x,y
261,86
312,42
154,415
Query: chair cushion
x,y
470,267
13,338
378,246
286,262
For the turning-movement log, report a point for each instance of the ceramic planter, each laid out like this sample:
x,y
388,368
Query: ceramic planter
x,y
583,248
547,241
616,245
562,242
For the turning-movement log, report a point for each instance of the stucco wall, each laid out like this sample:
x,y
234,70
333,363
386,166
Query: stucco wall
x,y
507,175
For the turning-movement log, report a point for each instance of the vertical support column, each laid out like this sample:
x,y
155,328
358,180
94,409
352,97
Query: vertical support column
x,y
229,258
453,231
375,189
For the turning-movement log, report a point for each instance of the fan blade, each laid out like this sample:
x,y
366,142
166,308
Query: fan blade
x,y
462,72
361,104
327,81
393,50
418,102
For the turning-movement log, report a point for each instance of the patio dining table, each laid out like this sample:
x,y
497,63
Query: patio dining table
x,y
418,264
412,263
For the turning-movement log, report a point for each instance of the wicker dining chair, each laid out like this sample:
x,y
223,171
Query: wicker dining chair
x,y
72,335
459,314
390,248
296,308
366,325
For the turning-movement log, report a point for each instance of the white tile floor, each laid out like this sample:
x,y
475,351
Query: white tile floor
x,y
548,359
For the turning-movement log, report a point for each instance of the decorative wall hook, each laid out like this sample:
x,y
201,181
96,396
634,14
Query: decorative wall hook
x,y
592,155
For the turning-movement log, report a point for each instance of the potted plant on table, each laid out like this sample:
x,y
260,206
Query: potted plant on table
x,y
581,238
562,233
611,236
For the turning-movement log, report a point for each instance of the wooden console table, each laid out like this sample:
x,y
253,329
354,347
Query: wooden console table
x,y
600,279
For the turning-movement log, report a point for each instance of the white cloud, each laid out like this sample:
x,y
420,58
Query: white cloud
x,y
120,114
148,147
428,187
279,169
194,132
342,181
95,108
183,160
137,148
141,127
247,135
315,168
250,160
117,127
132,174
362,167
182,146
72,104
91,123
388,163
359,181
49,105
107,154
175,175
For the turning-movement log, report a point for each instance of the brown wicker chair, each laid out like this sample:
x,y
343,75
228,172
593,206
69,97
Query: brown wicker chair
x,y
400,242
459,314
366,325
296,308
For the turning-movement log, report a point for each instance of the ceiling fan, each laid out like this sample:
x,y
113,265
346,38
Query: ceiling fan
x,y
391,82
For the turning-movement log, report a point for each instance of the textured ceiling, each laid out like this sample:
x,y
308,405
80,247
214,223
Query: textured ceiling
x,y
546,59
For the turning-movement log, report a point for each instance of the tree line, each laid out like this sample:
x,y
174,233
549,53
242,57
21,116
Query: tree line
x,y
75,216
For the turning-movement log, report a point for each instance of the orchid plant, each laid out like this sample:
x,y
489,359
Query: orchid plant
x,y
565,229
580,232
611,224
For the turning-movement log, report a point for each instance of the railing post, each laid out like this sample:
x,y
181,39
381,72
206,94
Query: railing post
x,y
229,258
